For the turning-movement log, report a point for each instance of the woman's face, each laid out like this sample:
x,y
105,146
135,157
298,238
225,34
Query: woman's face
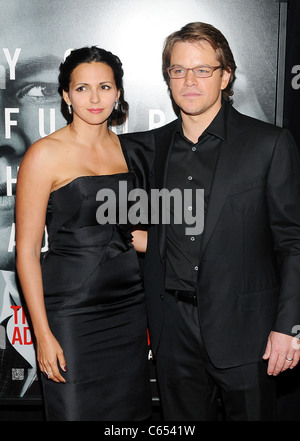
x,y
92,92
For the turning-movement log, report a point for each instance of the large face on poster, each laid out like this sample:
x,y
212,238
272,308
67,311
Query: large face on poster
x,y
35,36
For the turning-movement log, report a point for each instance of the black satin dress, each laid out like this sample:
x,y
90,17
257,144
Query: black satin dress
x,y
96,309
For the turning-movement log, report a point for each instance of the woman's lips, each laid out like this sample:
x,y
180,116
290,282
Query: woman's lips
x,y
95,111
7,202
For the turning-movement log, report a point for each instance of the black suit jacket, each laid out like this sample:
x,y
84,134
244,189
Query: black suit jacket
x,y
249,265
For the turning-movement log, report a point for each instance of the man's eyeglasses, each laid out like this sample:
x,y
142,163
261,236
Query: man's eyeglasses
x,y
199,71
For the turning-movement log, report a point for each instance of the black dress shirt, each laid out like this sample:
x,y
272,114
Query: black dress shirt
x,y
191,166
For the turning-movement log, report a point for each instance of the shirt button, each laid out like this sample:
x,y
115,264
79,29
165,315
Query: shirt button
x,y
190,178
194,149
190,208
192,238
196,268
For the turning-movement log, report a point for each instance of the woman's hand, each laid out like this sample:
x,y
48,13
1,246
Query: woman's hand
x,y
139,240
50,357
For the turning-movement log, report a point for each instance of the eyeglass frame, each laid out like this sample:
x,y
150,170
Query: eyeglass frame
x,y
213,68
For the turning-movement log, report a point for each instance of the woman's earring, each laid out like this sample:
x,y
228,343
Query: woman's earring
x,y
116,105
70,109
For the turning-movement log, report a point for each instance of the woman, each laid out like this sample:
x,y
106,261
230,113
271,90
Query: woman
x,y
86,302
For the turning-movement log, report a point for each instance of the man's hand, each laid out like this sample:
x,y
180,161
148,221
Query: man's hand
x,y
282,351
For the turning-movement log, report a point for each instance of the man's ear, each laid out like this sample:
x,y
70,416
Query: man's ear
x,y
225,78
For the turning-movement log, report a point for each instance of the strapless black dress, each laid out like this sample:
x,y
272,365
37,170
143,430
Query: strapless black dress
x,y
96,309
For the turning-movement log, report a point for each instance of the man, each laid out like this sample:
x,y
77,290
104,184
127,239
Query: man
x,y
223,305
28,100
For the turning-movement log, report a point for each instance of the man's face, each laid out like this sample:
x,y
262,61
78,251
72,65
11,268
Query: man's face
x,y
21,123
29,109
197,96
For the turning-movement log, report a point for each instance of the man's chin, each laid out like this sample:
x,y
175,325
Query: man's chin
x,y
7,258
7,264
7,212
192,111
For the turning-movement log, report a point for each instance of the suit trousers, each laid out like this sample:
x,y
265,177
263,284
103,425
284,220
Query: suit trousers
x,y
191,386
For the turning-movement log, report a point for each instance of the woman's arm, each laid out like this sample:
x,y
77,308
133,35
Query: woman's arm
x,y
33,188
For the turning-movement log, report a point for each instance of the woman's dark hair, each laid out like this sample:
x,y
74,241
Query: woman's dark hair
x,y
88,55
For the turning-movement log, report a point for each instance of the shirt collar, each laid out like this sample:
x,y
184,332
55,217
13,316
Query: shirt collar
x,y
218,125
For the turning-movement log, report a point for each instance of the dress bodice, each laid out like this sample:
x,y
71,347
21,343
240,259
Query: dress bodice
x,y
74,206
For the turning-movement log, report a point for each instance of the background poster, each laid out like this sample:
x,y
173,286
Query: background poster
x,y
35,36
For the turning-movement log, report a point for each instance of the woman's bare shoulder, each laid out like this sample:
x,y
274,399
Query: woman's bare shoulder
x,y
45,150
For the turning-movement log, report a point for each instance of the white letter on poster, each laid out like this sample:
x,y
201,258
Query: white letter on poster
x,y
42,122
8,122
152,123
12,62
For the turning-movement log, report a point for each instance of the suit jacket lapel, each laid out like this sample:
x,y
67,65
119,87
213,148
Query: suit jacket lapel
x,y
163,147
230,155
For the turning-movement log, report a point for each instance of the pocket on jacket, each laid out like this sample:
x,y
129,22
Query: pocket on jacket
x,y
258,300
247,185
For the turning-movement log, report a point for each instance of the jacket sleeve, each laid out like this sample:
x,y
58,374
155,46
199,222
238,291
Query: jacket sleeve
x,y
139,151
283,199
